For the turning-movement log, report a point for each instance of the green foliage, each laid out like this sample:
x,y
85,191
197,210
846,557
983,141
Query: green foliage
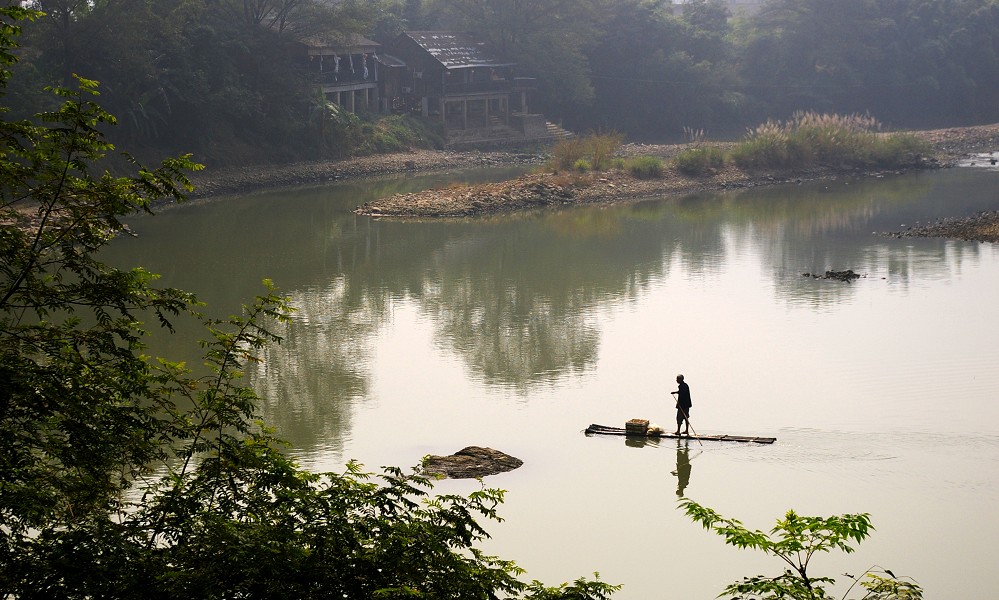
x,y
795,540
123,476
812,139
596,150
547,38
343,133
654,72
582,165
698,162
917,61
645,167
899,150
580,589
396,133
226,80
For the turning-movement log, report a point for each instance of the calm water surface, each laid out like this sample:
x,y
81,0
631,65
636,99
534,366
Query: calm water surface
x,y
516,332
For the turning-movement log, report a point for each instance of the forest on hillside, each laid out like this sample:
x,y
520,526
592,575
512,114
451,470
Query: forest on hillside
x,y
224,79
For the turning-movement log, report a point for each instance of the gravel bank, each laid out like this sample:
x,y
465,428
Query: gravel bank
x,y
950,146
230,181
983,227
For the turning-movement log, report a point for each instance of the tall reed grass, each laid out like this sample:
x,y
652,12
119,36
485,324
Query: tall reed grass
x,y
813,139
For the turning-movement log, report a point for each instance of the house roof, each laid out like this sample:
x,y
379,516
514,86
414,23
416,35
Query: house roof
x,y
389,61
352,43
457,50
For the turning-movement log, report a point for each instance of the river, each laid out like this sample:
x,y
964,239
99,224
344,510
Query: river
x,y
517,331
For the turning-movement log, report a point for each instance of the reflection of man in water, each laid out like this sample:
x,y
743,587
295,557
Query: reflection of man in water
x,y
682,467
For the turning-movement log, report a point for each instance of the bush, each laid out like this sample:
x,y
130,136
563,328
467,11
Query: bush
x,y
900,150
645,167
582,165
700,161
596,149
345,134
396,133
565,154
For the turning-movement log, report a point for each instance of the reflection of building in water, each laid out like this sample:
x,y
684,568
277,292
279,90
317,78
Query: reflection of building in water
x,y
682,471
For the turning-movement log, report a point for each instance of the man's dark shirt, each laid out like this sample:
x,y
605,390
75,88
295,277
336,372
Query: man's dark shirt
x,y
683,396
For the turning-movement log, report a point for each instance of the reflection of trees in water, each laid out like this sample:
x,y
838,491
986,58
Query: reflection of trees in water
x,y
512,336
517,299
834,225
307,381
516,296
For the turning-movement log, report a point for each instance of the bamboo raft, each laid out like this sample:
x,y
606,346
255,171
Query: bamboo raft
x,y
607,430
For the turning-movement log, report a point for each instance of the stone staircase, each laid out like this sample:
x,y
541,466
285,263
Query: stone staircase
x,y
557,133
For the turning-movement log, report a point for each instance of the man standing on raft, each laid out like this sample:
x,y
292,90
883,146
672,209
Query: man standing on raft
x,y
683,405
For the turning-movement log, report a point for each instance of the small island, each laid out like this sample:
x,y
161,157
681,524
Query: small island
x,y
602,169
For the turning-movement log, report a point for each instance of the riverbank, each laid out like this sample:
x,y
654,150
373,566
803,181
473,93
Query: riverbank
x,y
983,227
231,181
949,146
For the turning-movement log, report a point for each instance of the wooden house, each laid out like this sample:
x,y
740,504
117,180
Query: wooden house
x,y
347,71
450,77
462,81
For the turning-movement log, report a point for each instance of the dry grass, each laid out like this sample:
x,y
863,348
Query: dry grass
x,y
595,150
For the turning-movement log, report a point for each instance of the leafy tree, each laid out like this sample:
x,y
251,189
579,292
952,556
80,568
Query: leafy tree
x,y
547,38
655,73
795,540
912,61
123,476
225,79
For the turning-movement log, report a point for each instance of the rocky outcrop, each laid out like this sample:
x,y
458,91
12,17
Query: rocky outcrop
x,y
471,462
848,275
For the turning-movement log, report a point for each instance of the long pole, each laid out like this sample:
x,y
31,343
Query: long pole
x,y
687,418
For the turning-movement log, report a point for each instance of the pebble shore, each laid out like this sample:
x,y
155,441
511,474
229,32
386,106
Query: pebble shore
x,y
950,146
229,181
983,227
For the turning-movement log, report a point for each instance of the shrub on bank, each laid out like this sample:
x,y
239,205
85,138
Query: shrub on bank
x,y
645,167
900,150
697,162
343,134
596,149
396,133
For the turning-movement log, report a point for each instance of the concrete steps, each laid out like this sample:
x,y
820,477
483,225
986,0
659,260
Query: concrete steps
x,y
556,132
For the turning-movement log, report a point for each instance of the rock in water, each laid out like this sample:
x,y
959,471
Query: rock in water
x,y
471,462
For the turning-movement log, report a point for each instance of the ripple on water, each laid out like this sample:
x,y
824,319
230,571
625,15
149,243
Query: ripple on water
x,y
940,460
